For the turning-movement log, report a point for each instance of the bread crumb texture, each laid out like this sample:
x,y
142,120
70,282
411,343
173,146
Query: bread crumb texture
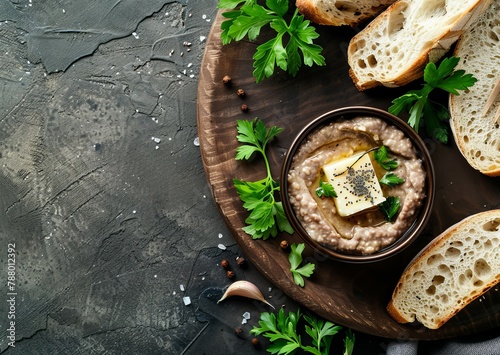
x,y
341,12
459,266
395,47
478,136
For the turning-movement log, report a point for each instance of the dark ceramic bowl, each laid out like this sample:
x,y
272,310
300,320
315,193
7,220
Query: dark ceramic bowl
x,y
423,213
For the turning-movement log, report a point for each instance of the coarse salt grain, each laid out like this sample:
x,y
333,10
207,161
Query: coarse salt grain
x,y
186,300
221,247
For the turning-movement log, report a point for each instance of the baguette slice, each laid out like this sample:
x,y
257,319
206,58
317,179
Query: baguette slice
x,y
477,136
458,266
395,47
341,12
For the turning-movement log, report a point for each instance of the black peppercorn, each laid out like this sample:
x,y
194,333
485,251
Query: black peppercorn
x,y
255,342
226,80
240,261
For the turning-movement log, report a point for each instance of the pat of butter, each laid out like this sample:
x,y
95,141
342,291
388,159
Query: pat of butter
x,y
355,183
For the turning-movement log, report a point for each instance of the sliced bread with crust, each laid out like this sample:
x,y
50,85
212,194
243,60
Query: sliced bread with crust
x,y
458,266
341,12
477,135
395,47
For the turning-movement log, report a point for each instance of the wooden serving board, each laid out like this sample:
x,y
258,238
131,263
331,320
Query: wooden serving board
x,y
354,296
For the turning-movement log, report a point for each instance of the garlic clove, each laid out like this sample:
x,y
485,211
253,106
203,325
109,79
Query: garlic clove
x,y
244,289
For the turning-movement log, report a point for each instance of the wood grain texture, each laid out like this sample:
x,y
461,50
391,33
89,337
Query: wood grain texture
x,y
351,295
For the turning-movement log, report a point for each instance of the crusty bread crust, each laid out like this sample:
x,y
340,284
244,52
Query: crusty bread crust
x,y
394,313
477,136
409,303
349,12
394,48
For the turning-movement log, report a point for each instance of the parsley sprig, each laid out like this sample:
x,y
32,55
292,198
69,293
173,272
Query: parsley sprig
x,y
266,214
418,104
390,207
289,49
390,179
281,330
382,157
295,258
325,189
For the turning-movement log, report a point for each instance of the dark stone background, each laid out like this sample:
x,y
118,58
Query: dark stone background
x,y
102,188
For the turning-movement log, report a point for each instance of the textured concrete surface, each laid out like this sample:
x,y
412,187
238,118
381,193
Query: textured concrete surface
x,y
104,202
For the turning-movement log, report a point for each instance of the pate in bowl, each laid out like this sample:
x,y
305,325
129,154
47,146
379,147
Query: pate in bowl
x,y
357,184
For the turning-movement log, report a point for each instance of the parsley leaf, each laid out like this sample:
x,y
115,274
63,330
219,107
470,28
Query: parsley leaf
x,y
281,330
381,155
247,18
391,179
349,342
295,259
390,207
418,104
321,333
325,189
250,21
231,4
267,56
266,214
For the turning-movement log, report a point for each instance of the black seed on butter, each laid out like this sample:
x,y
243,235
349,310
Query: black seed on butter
x,y
360,181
